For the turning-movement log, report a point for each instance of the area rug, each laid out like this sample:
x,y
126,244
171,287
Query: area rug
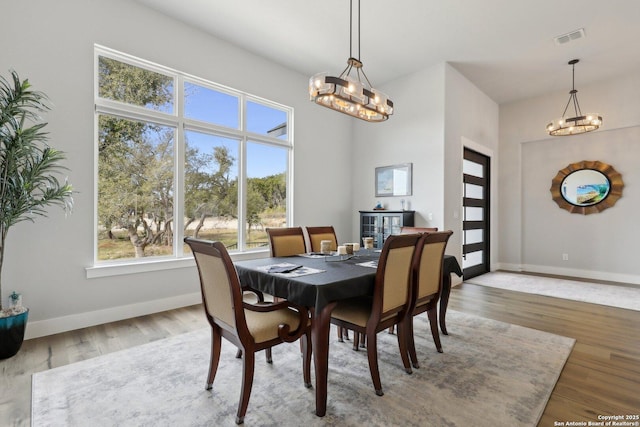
x,y
594,293
490,374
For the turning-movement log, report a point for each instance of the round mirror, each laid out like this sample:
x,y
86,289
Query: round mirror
x,y
587,187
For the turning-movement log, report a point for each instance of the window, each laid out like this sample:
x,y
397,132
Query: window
x,y
180,156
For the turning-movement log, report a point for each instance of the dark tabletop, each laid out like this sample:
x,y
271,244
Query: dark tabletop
x,y
339,280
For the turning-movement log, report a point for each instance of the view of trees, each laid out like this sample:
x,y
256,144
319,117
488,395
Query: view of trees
x,y
136,167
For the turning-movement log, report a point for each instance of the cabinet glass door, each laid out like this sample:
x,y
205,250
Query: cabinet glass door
x,y
390,225
369,224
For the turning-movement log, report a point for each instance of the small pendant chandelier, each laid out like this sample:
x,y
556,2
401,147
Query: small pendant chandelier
x,y
351,95
579,123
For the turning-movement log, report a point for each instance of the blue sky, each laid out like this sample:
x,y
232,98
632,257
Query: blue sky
x,y
222,109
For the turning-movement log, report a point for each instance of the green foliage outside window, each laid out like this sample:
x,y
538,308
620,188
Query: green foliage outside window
x,y
136,174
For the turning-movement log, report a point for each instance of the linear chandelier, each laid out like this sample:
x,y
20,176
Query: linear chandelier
x,y
579,123
351,95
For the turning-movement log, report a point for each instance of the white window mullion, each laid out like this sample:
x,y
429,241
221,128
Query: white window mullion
x,y
290,181
178,194
242,180
129,112
242,195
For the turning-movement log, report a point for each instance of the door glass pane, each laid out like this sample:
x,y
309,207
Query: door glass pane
x,y
473,214
266,120
266,191
211,188
473,236
473,191
211,106
472,168
472,258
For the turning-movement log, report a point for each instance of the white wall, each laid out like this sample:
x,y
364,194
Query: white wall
x,y
534,231
414,134
436,110
51,43
471,120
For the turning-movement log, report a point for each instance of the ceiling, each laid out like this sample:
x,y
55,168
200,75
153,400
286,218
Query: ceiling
x,y
505,47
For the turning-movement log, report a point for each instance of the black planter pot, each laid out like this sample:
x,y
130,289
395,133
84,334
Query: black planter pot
x,y
12,334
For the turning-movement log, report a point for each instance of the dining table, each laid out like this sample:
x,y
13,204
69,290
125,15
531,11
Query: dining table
x,y
318,281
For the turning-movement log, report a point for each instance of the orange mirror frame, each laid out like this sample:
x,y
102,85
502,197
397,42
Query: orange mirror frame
x,y
605,200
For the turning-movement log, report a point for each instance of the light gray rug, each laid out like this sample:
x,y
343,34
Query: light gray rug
x,y
595,293
490,374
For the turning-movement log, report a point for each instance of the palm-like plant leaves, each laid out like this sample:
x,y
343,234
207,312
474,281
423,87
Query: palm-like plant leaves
x,y
29,168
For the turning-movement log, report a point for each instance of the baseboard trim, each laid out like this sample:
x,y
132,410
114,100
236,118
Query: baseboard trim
x,y
57,325
572,272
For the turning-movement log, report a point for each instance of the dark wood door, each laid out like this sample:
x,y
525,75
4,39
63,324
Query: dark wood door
x,y
475,223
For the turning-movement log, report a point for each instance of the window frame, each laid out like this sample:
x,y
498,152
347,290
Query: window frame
x,y
182,124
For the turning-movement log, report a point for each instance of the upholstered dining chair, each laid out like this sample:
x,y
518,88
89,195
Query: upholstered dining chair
x,y
250,327
287,241
389,304
412,230
318,234
427,283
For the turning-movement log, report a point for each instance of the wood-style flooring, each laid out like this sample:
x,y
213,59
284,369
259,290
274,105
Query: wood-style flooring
x,y
601,377
602,374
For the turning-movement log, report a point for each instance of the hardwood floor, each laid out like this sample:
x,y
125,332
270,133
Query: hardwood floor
x,y
602,374
601,377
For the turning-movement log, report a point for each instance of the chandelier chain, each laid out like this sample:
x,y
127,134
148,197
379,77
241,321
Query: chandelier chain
x,y
351,28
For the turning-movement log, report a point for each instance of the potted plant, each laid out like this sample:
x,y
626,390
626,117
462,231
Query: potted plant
x,y
29,183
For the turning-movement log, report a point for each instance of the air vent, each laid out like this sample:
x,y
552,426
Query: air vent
x,y
566,38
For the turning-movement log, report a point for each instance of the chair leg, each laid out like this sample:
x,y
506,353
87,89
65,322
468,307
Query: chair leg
x,y
390,329
247,383
433,321
356,341
305,340
372,356
267,353
411,345
216,344
343,333
402,345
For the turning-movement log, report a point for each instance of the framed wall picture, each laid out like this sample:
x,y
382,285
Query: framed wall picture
x,y
394,180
